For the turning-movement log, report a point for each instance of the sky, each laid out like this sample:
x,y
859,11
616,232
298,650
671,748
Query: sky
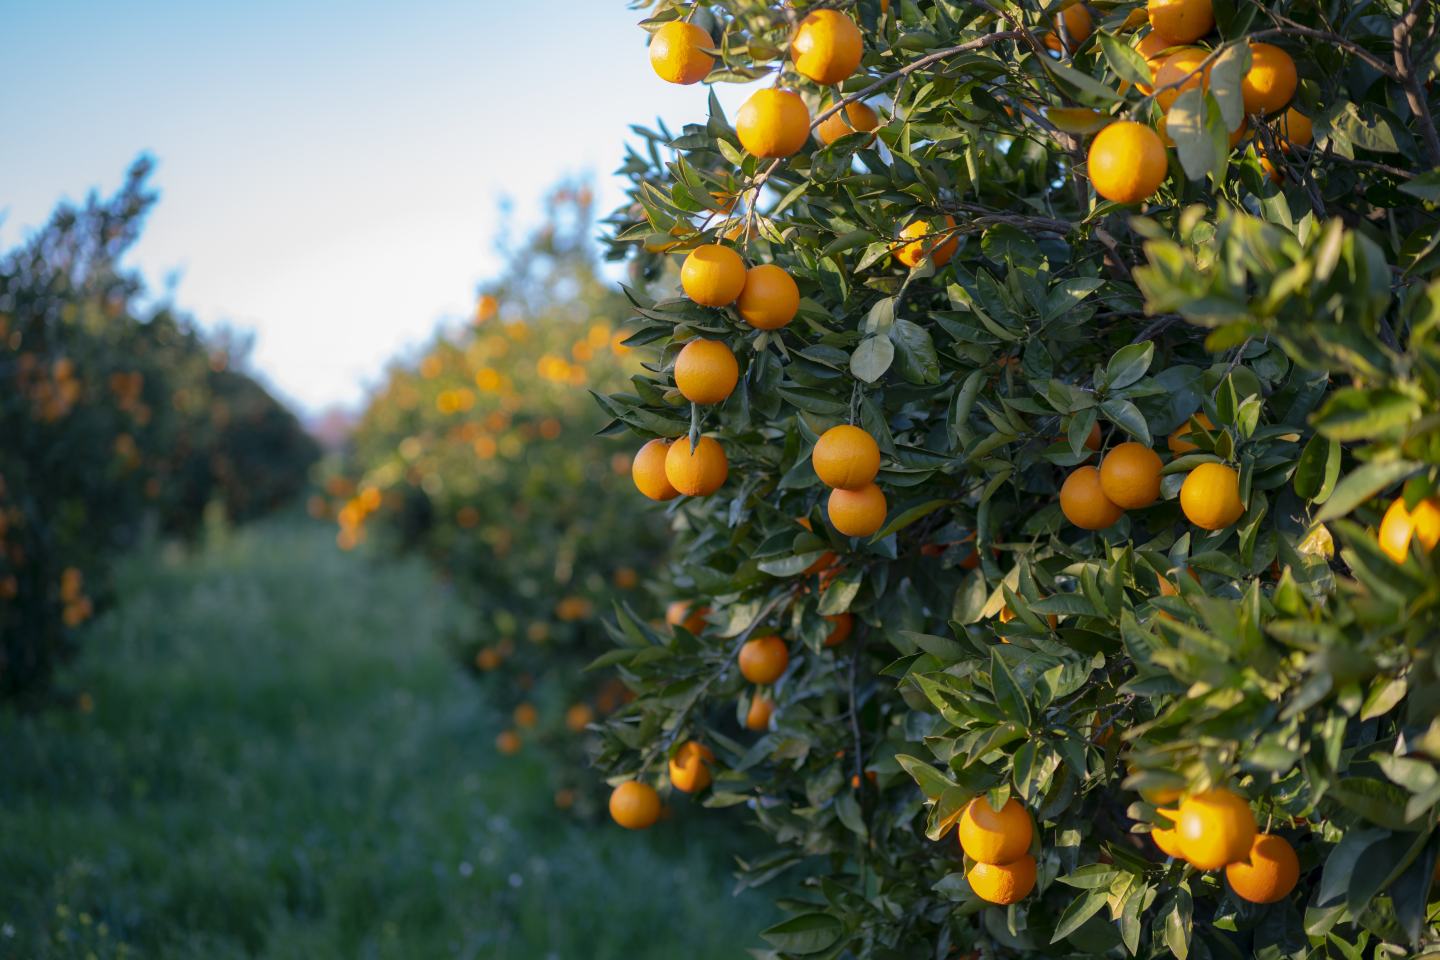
x,y
329,171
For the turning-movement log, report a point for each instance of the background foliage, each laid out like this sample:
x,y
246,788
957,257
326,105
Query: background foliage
x,y
480,453
1289,295
116,417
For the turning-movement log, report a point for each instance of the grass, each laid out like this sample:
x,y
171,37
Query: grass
x,y
281,762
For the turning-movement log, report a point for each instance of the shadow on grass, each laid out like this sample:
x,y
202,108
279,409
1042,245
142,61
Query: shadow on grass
x,y
281,762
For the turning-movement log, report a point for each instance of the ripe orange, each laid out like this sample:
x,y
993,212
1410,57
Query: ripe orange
x,y
846,457
648,471
1003,883
682,613
856,117
713,275
507,742
690,767
763,659
706,371
526,716
843,624
1006,615
770,298
1167,840
1182,20
1178,444
1215,828
1270,872
635,805
758,716
827,47
1083,501
1152,47
578,717
1078,26
488,659
939,248
1296,130
1130,476
1270,82
1399,526
773,123
1127,162
995,836
677,52
1094,439
859,512
1210,496
697,471
1180,67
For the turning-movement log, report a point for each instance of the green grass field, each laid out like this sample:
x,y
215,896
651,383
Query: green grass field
x,y
281,762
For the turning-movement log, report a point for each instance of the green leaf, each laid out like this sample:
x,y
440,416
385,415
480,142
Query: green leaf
x,y
1126,61
1185,123
808,933
872,358
1318,468
1226,73
1079,910
919,363
1128,417
1362,484
1129,364
1008,695
932,782
1356,414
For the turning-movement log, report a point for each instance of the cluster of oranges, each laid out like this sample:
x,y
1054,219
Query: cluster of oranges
x,y
999,843
1127,160
1216,830
1128,478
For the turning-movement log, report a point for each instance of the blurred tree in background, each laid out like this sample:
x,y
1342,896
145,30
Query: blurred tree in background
x,y
116,419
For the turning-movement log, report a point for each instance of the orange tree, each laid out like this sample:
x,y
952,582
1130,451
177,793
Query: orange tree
x,y
115,420
1049,409
481,453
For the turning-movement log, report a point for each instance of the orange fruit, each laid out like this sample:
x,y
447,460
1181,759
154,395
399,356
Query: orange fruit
x,y
1270,82
578,717
1083,501
827,47
856,117
1152,47
1215,828
1006,615
706,371
1268,874
564,798
1003,884
939,248
1210,496
1078,26
773,123
1182,20
1094,439
846,457
507,742
1130,476
526,716
859,512
1180,67
770,298
763,659
1167,840
487,659
635,805
1296,130
758,716
697,471
648,471
1127,162
690,767
682,613
713,275
995,836
1177,443
1399,526
677,52
841,626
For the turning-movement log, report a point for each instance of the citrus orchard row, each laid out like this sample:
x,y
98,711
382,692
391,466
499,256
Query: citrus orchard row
x,y
918,375
118,420
479,453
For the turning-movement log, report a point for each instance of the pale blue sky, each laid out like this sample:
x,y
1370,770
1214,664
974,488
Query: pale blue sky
x,y
329,169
